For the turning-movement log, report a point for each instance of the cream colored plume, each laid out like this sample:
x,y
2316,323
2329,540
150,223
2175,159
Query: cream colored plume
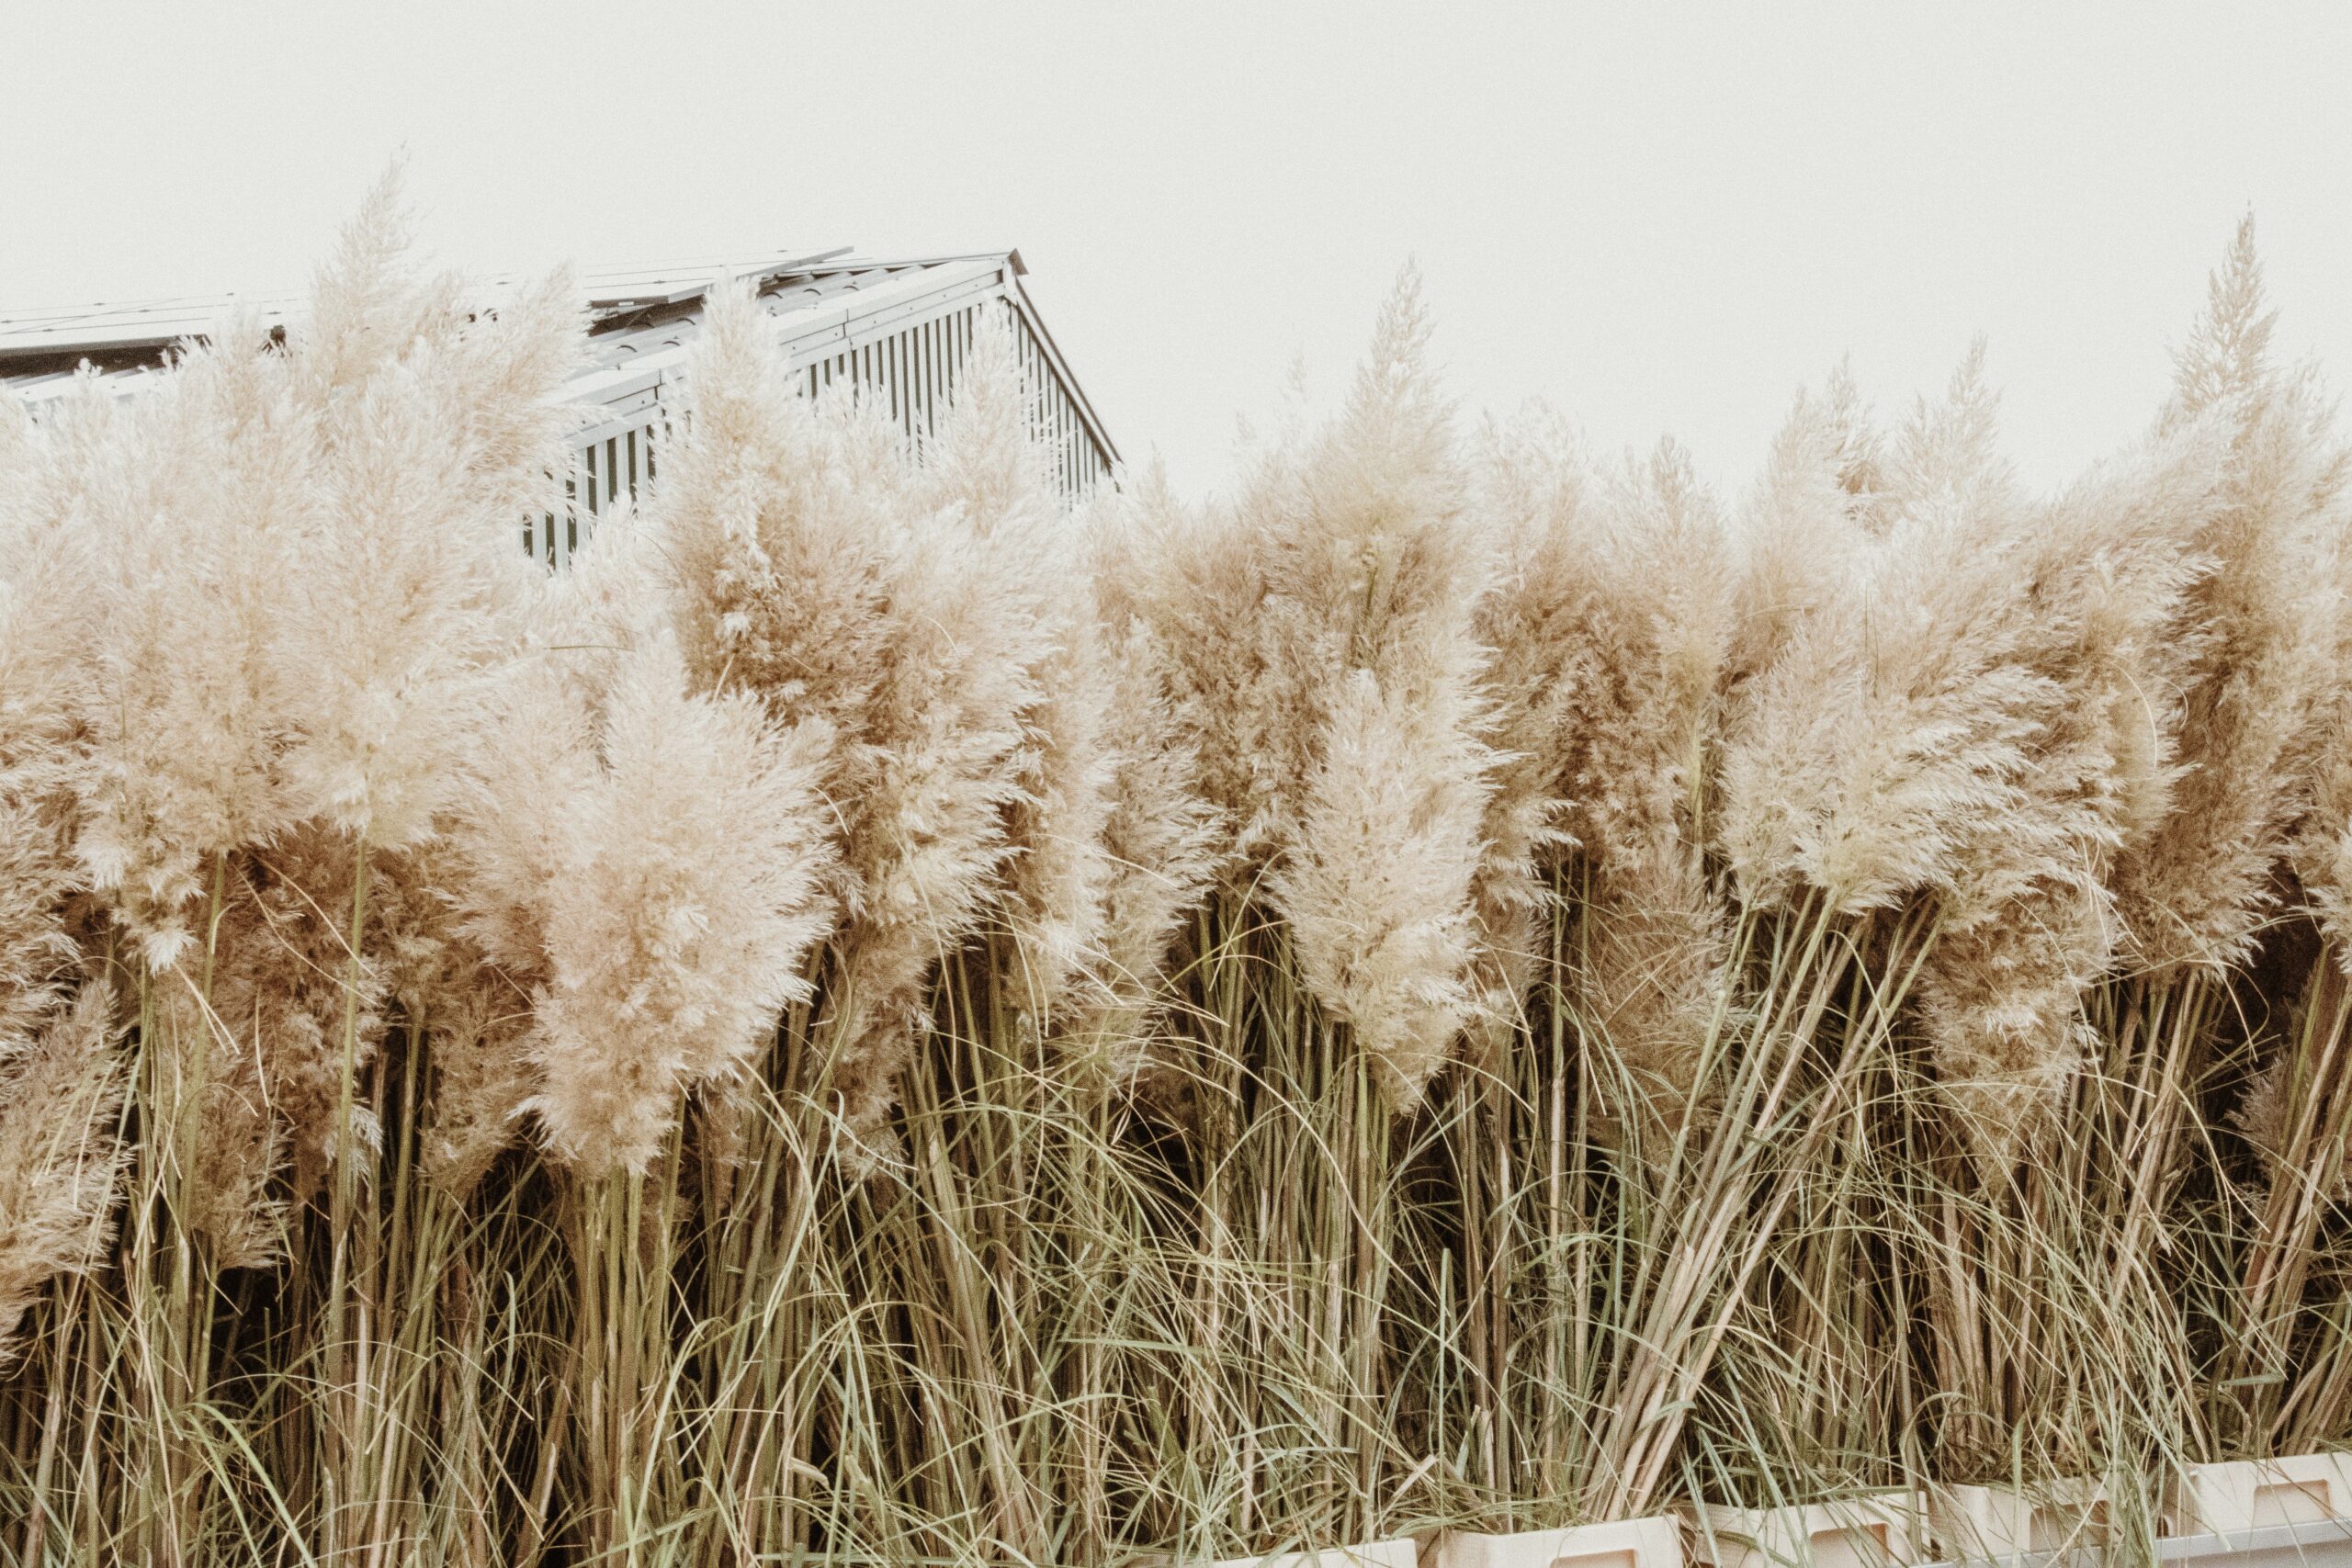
x,y
1611,626
62,1152
2267,619
44,570
1376,882
1803,531
1655,948
434,428
195,499
1165,844
813,565
1532,488
472,1013
2027,923
1892,716
1328,612
987,465
304,565
646,859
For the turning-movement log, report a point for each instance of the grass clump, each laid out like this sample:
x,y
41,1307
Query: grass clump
x,y
879,1018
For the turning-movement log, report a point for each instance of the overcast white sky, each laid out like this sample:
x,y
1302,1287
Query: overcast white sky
x,y
1659,218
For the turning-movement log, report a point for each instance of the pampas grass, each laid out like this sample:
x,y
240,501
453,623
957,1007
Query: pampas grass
x,y
985,467
2267,612
878,1017
1321,646
60,1107
816,569
1162,839
672,927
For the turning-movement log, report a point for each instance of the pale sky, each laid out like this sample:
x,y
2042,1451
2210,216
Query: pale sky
x,y
1659,219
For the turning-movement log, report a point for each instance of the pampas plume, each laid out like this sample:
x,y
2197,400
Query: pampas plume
x,y
1892,719
987,464
1376,883
1531,486
1164,844
1374,564
434,424
195,501
43,751
662,919
62,1155
2268,613
2027,922
1610,626
816,569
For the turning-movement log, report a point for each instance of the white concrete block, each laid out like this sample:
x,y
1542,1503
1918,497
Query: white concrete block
x,y
1627,1544
2231,1500
1876,1529
1400,1553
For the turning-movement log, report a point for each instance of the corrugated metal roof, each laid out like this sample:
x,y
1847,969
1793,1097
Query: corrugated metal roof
x,y
642,317
138,324
108,329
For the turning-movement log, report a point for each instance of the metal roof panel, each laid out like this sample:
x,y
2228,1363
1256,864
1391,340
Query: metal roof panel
x,y
643,319
118,325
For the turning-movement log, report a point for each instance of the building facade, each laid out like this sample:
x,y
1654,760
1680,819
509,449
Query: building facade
x,y
895,332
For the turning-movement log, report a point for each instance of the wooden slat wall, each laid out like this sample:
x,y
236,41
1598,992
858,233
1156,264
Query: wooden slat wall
x,y
910,374
604,473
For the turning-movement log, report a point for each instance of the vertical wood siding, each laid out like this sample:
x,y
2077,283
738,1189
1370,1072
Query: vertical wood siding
x,y
910,374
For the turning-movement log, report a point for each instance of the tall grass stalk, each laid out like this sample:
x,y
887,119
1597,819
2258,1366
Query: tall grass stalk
x,y
876,1020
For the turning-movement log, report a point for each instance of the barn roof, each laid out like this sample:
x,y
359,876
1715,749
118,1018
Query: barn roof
x,y
108,329
641,319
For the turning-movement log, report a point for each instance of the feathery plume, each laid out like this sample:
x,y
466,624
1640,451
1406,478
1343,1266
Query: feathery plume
x,y
650,860
62,1155
1893,717
810,569
1375,544
1801,539
305,575
987,463
2321,851
1161,838
411,596
235,1151
1638,765
926,830
676,927
485,1076
2293,1116
1377,886
1531,486
2027,922
2269,614
43,755
194,499
1350,557
473,1013
1202,586
299,570
1655,948
1611,628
